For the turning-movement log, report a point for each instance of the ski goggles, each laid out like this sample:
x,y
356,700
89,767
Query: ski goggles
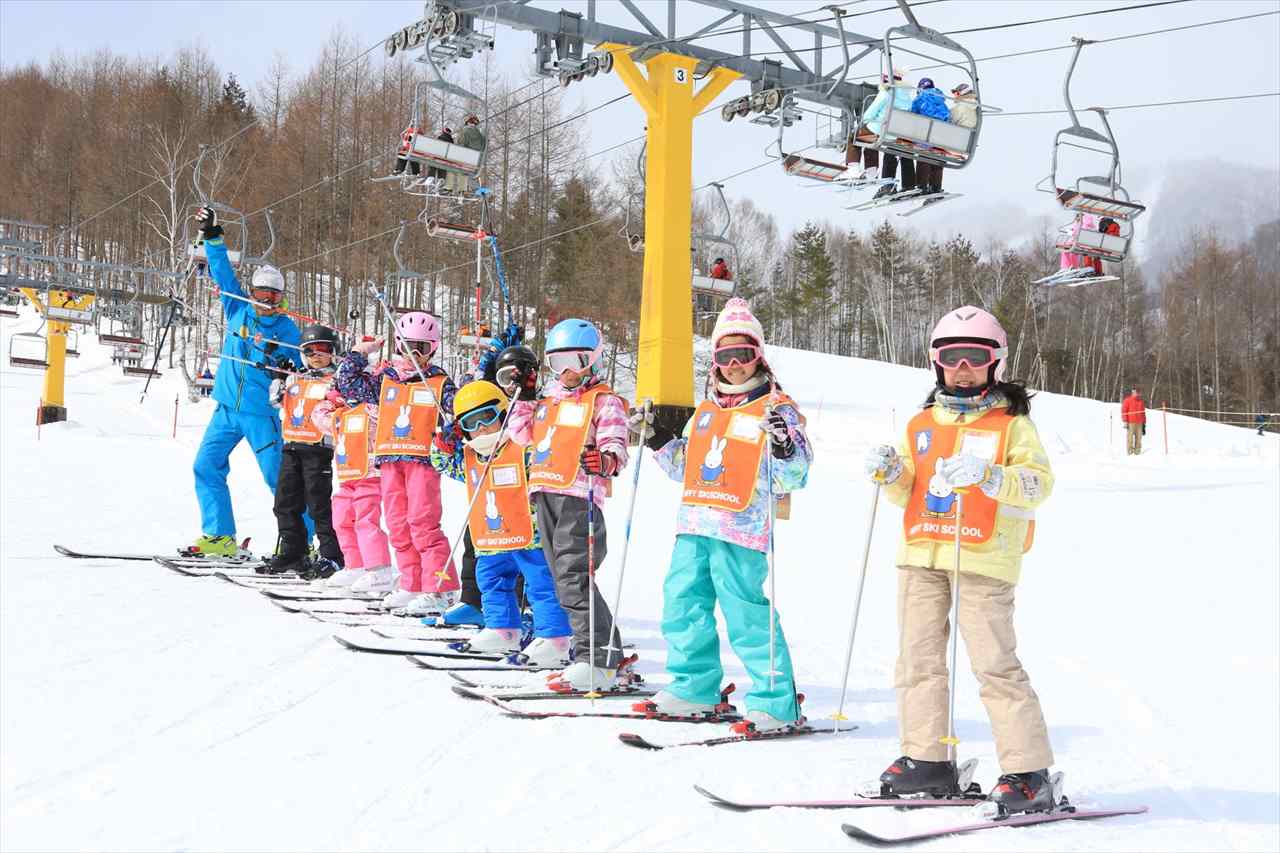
x,y
572,359
317,348
266,294
736,355
422,347
507,377
481,417
970,355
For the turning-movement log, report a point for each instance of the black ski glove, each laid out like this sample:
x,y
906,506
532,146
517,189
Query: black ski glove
x,y
208,219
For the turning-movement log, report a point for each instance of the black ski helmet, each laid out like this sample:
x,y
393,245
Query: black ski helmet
x,y
519,357
316,334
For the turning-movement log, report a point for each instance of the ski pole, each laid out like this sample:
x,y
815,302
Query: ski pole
x,y
294,314
591,591
626,538
397,344
773,575
857,601
951,740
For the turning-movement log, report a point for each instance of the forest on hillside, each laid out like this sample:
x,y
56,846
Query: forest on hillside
x,y
103,146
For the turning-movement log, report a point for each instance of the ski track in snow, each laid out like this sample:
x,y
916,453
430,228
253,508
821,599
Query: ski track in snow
x,y
140,709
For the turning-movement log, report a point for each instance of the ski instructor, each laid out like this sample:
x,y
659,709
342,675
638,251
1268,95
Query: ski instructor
x,y
252,349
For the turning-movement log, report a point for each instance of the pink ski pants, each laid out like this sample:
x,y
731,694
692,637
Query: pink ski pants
x,y
357,519
411,502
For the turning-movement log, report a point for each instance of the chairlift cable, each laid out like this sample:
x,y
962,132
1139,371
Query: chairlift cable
x,y
1143,106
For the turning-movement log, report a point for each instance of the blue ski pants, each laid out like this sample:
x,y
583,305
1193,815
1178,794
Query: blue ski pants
x,y
706,570
226,429
496,576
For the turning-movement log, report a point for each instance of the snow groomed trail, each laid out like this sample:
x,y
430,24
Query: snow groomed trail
x,y
140,709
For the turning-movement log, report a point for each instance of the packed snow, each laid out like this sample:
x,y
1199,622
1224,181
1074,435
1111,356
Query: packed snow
x,y
140,709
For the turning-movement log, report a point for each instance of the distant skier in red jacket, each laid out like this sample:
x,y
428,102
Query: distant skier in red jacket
x,y
1134,414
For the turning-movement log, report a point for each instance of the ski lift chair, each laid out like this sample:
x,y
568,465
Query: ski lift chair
x,y
438,227
9,305
73,343
707,247
28,349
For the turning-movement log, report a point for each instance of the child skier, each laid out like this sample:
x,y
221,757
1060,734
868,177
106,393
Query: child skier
x,y
502,526
411,394
357,504
578,430
973,435
305,482
744,447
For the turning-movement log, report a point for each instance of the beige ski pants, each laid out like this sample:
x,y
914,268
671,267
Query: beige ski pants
x,y
986,625
1133,438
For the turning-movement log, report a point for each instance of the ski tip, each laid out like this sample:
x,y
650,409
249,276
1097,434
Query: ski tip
x,y
637,741
466,692
66,552
717,800
345,643
859,834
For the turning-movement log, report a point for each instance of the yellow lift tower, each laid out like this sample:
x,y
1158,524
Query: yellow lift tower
x,y
679,79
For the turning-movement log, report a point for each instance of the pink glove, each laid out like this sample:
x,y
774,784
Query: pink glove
x,y
367,347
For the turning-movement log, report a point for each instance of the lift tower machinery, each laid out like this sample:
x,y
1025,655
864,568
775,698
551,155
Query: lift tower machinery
x,y
679,79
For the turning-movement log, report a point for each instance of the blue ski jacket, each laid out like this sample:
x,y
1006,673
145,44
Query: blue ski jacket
x,y
931,103
241,387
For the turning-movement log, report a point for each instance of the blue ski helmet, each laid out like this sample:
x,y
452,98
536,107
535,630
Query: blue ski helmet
x,y
575,334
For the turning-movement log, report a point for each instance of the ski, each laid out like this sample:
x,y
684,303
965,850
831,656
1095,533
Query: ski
x,y
383,646
527,714
261,581
484,685
310,593
404,631
333,608
851,803
207,571
83,555
775,734
439,665
526,694
1063,813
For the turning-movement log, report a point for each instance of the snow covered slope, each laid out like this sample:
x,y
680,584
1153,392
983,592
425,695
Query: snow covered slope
x,y
143,710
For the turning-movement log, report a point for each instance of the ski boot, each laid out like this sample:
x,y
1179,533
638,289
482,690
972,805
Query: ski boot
x,y
459,614
317,568
581,676
1022,793
885,191
909,777
378,581
667,703
213,546
395,599
282,564
544,652
759,722
491,641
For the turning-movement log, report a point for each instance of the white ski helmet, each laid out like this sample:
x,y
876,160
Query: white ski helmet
x,y
267,277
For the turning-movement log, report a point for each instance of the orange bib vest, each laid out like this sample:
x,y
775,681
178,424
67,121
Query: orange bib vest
x,y
931,509
723,456
407,416
560,428
300,399
351,444
500,518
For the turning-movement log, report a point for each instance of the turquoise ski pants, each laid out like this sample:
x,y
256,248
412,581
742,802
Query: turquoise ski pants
x,y
703,571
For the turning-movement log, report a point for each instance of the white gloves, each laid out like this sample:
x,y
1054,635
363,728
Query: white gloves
x,y
965,470
882,464
640,423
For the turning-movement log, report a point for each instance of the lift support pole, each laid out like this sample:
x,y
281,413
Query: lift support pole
x,y
53,406
668,96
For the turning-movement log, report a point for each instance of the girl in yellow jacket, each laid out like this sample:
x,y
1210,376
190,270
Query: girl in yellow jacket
x,y
974,435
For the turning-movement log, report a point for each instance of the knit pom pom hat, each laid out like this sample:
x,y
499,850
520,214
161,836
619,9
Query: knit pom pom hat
x,y
736,319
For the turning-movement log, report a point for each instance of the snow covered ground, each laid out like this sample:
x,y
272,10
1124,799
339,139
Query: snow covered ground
x,y
143,710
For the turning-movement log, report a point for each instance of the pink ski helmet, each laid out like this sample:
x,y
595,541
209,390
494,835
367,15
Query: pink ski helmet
x,y
970,324
419,326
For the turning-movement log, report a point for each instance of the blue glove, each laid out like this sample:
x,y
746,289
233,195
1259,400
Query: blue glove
x,y
512,336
